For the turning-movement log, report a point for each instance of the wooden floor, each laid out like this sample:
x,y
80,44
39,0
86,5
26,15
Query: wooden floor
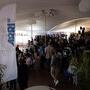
x,y
42,77
38,77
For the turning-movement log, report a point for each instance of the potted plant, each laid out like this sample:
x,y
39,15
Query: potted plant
x,y
2,68
84,71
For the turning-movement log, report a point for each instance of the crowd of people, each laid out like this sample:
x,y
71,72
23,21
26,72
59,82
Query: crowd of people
x,y
55,53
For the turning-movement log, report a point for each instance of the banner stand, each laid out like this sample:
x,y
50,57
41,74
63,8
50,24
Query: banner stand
x,y
8,63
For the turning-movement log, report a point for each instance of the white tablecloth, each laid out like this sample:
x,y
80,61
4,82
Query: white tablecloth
x,y
40,88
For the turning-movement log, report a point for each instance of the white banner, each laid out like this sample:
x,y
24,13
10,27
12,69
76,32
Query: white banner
x,y
7,40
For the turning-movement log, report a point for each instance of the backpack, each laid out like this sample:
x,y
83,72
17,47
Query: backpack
x,y
56,60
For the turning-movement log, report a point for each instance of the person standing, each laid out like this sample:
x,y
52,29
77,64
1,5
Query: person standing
x,y
48,54
56,62
23,74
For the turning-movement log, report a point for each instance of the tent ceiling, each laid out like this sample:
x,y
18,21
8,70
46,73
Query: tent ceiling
x,y
73,23
66,10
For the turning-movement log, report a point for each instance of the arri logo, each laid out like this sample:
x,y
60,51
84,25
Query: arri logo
x,y
11,31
